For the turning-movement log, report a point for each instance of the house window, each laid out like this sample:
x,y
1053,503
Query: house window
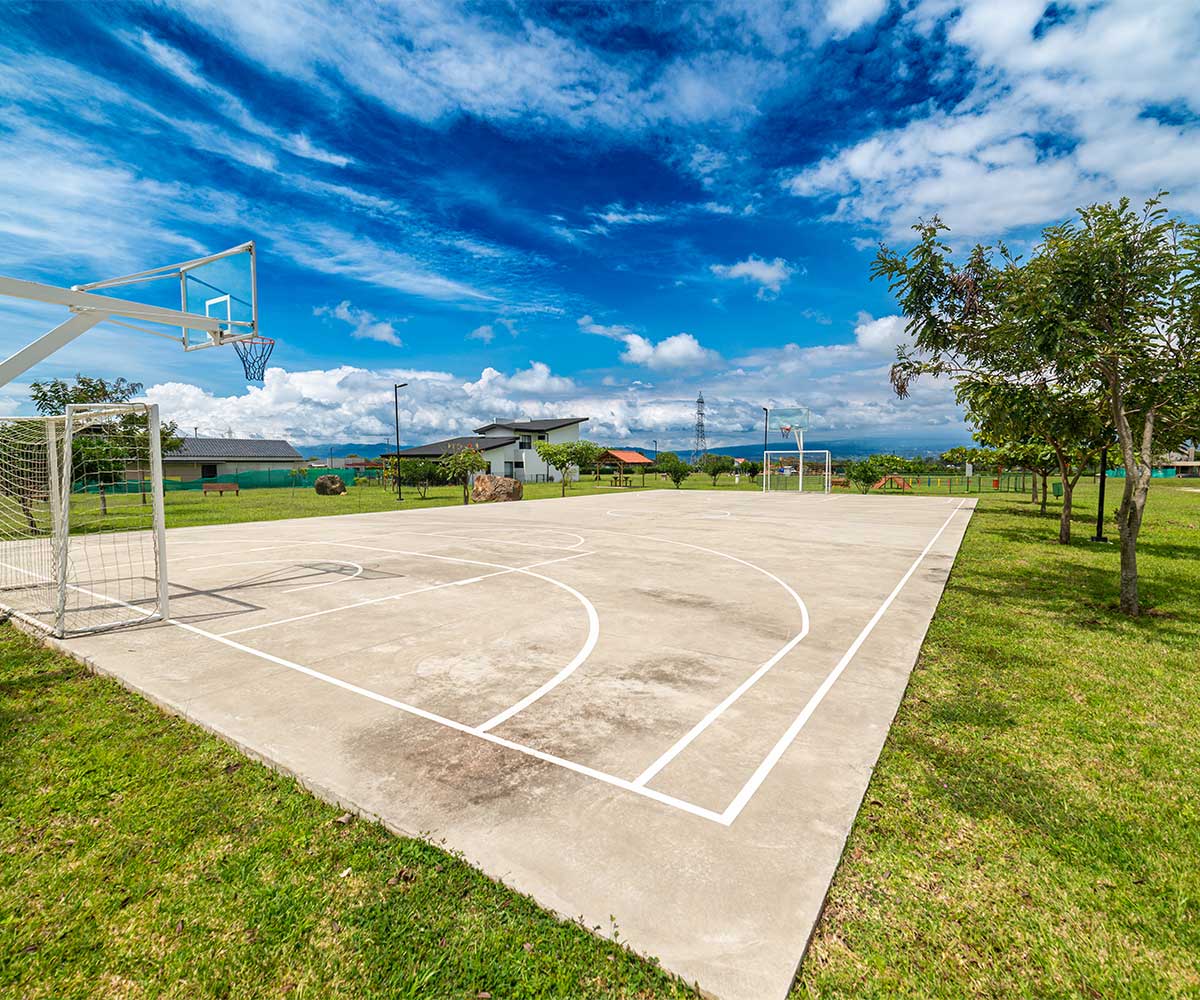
x,y
541,437
518,465
525,443
208,472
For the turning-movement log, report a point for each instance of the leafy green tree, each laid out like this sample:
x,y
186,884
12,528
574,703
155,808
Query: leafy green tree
x,y
586,455
675,468
1035,457
102,459
714,466
420,474
1107,308
460,464
561,457
1069,423
752,469
864,474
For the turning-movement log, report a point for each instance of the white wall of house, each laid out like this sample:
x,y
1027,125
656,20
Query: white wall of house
x,y
190,469
520,459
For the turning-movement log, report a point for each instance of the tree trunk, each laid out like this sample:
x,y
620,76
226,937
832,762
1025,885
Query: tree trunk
x,y
1133,496
1033,487
1045,486
1064,519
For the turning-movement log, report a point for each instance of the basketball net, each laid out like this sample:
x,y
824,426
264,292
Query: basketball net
x,y
254,352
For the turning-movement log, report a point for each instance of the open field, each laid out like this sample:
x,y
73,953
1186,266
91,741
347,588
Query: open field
x,y
1030,829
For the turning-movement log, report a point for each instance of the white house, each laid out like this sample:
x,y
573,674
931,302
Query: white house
x,y
508,446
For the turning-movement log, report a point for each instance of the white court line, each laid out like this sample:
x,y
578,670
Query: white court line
x,y
498,541
405,593
686,740
584,652
441,720
733,810
358,570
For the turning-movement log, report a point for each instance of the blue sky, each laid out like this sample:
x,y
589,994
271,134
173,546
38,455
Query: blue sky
x,y
592,209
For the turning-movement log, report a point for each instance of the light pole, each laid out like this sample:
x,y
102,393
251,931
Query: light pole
x,y
1100,504
656,451
396,401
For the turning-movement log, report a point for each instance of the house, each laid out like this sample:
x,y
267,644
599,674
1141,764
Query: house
x,y
206,458
510,447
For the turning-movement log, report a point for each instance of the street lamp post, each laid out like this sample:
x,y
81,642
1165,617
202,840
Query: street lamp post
x,y
396,400
656,451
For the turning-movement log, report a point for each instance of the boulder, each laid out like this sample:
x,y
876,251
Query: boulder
x,y
329,486
495,489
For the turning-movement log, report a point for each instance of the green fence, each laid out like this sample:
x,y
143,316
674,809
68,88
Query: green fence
x,y
263,479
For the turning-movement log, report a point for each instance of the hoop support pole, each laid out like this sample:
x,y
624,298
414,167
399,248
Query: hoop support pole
x,y
31,354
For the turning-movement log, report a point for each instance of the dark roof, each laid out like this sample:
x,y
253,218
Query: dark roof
x,y
439,448
232,449
531,425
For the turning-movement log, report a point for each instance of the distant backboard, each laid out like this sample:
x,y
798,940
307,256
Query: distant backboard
x,y
788,422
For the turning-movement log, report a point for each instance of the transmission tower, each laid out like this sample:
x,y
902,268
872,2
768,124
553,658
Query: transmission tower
x,y
699,443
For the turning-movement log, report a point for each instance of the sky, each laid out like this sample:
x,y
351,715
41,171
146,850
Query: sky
x,y
548,209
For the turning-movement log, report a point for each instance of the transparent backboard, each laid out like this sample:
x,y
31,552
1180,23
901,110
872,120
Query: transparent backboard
x,y
220,286
786,421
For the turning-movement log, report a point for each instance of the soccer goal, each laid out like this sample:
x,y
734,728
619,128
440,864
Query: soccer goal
x,y
797,472
81,518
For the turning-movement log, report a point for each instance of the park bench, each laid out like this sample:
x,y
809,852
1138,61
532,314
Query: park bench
x,y
219,488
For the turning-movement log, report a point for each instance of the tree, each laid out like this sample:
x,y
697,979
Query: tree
x,y
561,456
420,474
1106,309
752,469
1037,458
675,468
587,455
102,459
864,474
715,465
460,464
1066,421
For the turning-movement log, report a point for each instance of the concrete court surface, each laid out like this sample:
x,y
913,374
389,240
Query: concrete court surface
x,y
661,706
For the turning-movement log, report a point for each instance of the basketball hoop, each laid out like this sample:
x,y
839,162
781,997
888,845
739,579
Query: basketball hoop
x,y
254,352
785,431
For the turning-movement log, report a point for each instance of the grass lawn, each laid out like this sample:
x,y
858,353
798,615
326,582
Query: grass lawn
x,y
1032,828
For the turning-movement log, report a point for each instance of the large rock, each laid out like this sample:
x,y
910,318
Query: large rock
x,y
495,489
329,486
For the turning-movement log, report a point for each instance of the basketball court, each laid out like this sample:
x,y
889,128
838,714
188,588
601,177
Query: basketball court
x,y
654,711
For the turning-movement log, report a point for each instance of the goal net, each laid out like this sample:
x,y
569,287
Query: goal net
x,y
796,472
81,518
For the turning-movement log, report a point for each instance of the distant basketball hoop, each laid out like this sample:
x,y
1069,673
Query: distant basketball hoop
x,y
255,352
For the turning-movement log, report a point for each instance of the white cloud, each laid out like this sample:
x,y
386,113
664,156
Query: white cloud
x,y
769,275
483,333
364,325
1093,83
681,351
186,71
619,215
331,250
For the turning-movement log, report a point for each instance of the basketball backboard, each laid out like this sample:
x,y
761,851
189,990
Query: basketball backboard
x,y
788,421
221,286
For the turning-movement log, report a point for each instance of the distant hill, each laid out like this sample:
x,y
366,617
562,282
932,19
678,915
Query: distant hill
x,y
840,448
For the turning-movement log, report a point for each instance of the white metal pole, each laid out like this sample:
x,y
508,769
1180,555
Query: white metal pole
x,y
47,344
160,524
64,525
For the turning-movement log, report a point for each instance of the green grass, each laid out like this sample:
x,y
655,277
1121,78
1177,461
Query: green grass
x,y
141,857
1031,830
1033,827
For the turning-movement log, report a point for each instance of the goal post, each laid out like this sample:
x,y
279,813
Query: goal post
x,y
797,472
82,533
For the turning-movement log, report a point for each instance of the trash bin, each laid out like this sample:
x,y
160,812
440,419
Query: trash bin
x,y
1057,487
